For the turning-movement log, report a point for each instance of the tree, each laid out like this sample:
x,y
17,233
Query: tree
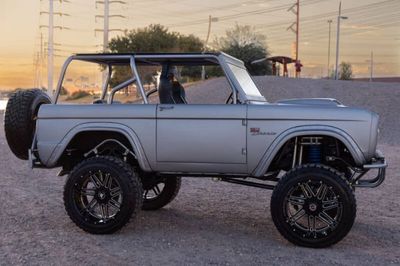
x,y
345,71
154,39
244,43
151,39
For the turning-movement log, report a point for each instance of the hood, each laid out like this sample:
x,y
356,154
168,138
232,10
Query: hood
x,y
329,102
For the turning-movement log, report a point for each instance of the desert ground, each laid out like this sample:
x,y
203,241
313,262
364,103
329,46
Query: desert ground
x,y
209,222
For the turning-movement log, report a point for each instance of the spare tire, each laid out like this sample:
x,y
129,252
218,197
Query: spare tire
x,y
20,119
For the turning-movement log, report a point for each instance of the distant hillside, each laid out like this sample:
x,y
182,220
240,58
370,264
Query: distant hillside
x,y
386,79
383,98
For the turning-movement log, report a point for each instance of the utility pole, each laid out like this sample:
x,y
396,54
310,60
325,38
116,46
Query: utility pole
x,y
210,20
50,51
106,24
41,61
106,17
337,40
329,47
297,30
50,42
371,66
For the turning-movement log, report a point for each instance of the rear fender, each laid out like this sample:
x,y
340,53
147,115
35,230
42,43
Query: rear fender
x,y
114,127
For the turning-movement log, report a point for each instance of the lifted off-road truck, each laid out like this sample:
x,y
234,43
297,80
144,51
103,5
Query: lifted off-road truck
x,y
121,158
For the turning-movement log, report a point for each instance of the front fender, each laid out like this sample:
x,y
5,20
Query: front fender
x,y
324,130
103,126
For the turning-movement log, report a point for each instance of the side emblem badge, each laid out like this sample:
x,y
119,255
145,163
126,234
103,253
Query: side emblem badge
x,y
255,131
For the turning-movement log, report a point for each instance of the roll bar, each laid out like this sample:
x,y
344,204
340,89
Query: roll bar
x,y
108,60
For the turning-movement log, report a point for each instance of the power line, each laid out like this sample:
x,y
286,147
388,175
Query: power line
x,y
243,14
350,11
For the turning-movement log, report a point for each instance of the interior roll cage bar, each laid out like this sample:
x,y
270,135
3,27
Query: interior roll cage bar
x,y
108,60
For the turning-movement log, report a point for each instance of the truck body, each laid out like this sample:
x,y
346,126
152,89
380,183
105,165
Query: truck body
x,y
123,157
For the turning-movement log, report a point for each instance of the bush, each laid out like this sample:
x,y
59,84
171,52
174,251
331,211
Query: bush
x,y
345,71
64,91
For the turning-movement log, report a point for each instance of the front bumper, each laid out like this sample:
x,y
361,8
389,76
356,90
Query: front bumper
x,y
377,163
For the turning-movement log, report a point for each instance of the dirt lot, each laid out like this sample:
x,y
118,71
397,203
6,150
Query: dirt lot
x,y
208,223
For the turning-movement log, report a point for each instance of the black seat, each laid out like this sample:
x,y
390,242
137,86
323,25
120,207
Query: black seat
x,y
165,86
178,93
170,91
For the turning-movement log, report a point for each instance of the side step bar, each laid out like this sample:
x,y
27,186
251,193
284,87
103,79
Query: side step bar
x,y
247,183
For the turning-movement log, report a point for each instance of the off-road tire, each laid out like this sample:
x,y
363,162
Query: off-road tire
x,y
20,119
313,173
168,194
131,191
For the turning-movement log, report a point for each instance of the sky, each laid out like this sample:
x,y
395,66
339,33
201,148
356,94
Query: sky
x,y
372,26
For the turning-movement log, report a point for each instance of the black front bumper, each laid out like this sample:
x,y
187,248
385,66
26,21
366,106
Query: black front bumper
x,y
377,163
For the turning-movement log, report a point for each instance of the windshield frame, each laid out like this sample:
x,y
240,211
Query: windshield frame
x,y
243,96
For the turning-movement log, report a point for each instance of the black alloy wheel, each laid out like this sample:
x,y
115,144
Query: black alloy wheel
x,y
159,191
101,194
313,206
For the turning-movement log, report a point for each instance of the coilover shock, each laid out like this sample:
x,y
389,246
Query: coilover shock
x,y
312,152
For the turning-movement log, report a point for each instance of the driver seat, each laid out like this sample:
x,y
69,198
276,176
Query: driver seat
x,y
170,91
178,93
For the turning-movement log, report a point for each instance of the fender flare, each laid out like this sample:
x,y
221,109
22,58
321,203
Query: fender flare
x,y
324,130
126,131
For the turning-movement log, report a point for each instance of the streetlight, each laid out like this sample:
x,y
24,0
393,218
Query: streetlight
x,y
329,46
337,39
210,20
371,66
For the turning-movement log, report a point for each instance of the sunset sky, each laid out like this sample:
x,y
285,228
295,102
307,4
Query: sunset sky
x,y
373,25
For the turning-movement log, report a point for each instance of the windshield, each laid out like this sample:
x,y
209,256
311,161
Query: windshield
x,y
245,81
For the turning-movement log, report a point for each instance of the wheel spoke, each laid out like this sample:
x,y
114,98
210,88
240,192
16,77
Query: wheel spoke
x,y
92,204
101,177
326,218
88,192
311,224
107,181
156,190
104,211
321,192
115,192
145,194
95,180
307,191
115,204
300,213
296,200
330,204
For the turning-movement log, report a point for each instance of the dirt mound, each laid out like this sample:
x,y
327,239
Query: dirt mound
x,y
382,98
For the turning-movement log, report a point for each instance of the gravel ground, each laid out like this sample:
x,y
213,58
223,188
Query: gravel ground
x,y
208,223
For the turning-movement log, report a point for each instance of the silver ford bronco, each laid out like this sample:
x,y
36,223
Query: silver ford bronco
x,y
128,148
